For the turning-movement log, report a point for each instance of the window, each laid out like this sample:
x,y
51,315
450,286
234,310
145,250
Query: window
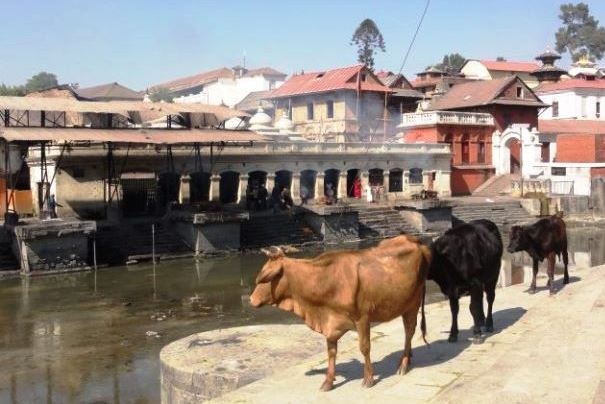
x,y
519,92
466,148
330,109
555,108
481,153
310,111
415,175
598,109
363,77
558,171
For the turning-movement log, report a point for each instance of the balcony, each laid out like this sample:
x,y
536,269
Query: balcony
x,y
445,117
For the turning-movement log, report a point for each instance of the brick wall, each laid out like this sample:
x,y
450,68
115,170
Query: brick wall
x,y
579,148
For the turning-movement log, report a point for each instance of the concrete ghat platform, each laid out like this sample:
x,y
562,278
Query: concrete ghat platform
x,y
208,364
545,349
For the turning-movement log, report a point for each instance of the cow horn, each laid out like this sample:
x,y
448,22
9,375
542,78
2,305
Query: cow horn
x,y
273,252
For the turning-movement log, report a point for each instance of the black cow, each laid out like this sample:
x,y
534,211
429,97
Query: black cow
x,y
466,259
546,238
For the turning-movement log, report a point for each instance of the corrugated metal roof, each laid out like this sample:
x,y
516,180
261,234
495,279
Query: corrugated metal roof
x,y
131,109
330,80
140,136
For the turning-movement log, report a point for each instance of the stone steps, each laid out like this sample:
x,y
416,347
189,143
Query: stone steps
x,y
8,261
500,185
501,213
276,229
382,221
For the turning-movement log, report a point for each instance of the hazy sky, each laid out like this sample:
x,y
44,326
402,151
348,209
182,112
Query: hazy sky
x,y
139,43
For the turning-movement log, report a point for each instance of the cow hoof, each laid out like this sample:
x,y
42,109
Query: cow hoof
x,y
403,368
566,281
489,328
452,338
367,383
532,291
326,386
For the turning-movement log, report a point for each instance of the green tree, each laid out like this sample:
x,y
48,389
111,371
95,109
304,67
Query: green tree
x,y
12,90
451,63
368,39
161,94
41,81
580,34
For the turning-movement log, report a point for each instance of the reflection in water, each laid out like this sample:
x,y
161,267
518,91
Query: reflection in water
x,y
82,337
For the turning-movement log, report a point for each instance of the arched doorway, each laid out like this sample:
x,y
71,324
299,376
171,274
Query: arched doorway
x,y
514,146
354,183
376,177
396,180
200,186
283,179
331,180
228,186
307,184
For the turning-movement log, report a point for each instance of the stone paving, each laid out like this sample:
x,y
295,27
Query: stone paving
x,y
545,349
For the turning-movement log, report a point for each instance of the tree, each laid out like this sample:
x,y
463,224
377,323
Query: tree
x,y
580,34
161,94
451,63
367,38
41,81
12,90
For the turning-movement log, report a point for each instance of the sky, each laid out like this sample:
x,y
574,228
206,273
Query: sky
x,y
139,43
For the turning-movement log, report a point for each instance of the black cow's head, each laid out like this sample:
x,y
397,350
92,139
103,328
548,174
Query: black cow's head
x,y
268,279
519,240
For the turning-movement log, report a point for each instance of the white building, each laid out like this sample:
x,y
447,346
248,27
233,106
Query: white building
x,y
573,99
222,86
496,69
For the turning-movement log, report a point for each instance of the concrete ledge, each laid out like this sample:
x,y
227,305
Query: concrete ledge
x,y
208,364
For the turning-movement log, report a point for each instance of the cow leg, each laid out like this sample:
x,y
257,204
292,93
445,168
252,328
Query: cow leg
x,y
551,271
454,308
363,329
331,372
409,323
476,308
490,294
565,262
533,279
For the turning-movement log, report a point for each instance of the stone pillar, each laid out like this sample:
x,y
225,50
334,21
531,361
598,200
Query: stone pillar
x,y
185,190
442,183
270,183
295,188
406,184
386,175
215,188
365,184
342,185
241,189
319,186
426,179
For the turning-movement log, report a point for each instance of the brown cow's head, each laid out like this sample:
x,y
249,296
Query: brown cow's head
x,y
267,281
519,240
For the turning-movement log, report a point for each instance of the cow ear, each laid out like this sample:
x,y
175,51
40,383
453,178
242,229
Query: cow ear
x,y
273,252
269,273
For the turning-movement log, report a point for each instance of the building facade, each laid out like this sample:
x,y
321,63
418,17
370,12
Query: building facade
x,y
497,69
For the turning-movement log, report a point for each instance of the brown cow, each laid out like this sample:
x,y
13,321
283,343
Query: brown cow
x,y
347,290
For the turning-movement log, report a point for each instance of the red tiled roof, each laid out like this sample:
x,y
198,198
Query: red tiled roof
x,y
524,67
570,126
336,79
477,93
427,82
571,84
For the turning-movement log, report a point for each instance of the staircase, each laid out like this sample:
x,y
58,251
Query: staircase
x,y
382,221
501,213
267,229
8,261
497,185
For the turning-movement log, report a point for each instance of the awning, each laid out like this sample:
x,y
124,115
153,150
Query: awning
x,y
135,110
141,136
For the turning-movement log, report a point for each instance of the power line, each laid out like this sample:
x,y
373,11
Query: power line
x,y
426,7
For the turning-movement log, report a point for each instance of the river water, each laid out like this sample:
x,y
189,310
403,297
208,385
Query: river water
x,y
83,337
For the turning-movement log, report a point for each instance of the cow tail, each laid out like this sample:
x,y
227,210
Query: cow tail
x,y
422,316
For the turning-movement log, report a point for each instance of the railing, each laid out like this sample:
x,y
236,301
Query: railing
x,y
561,187
446,117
